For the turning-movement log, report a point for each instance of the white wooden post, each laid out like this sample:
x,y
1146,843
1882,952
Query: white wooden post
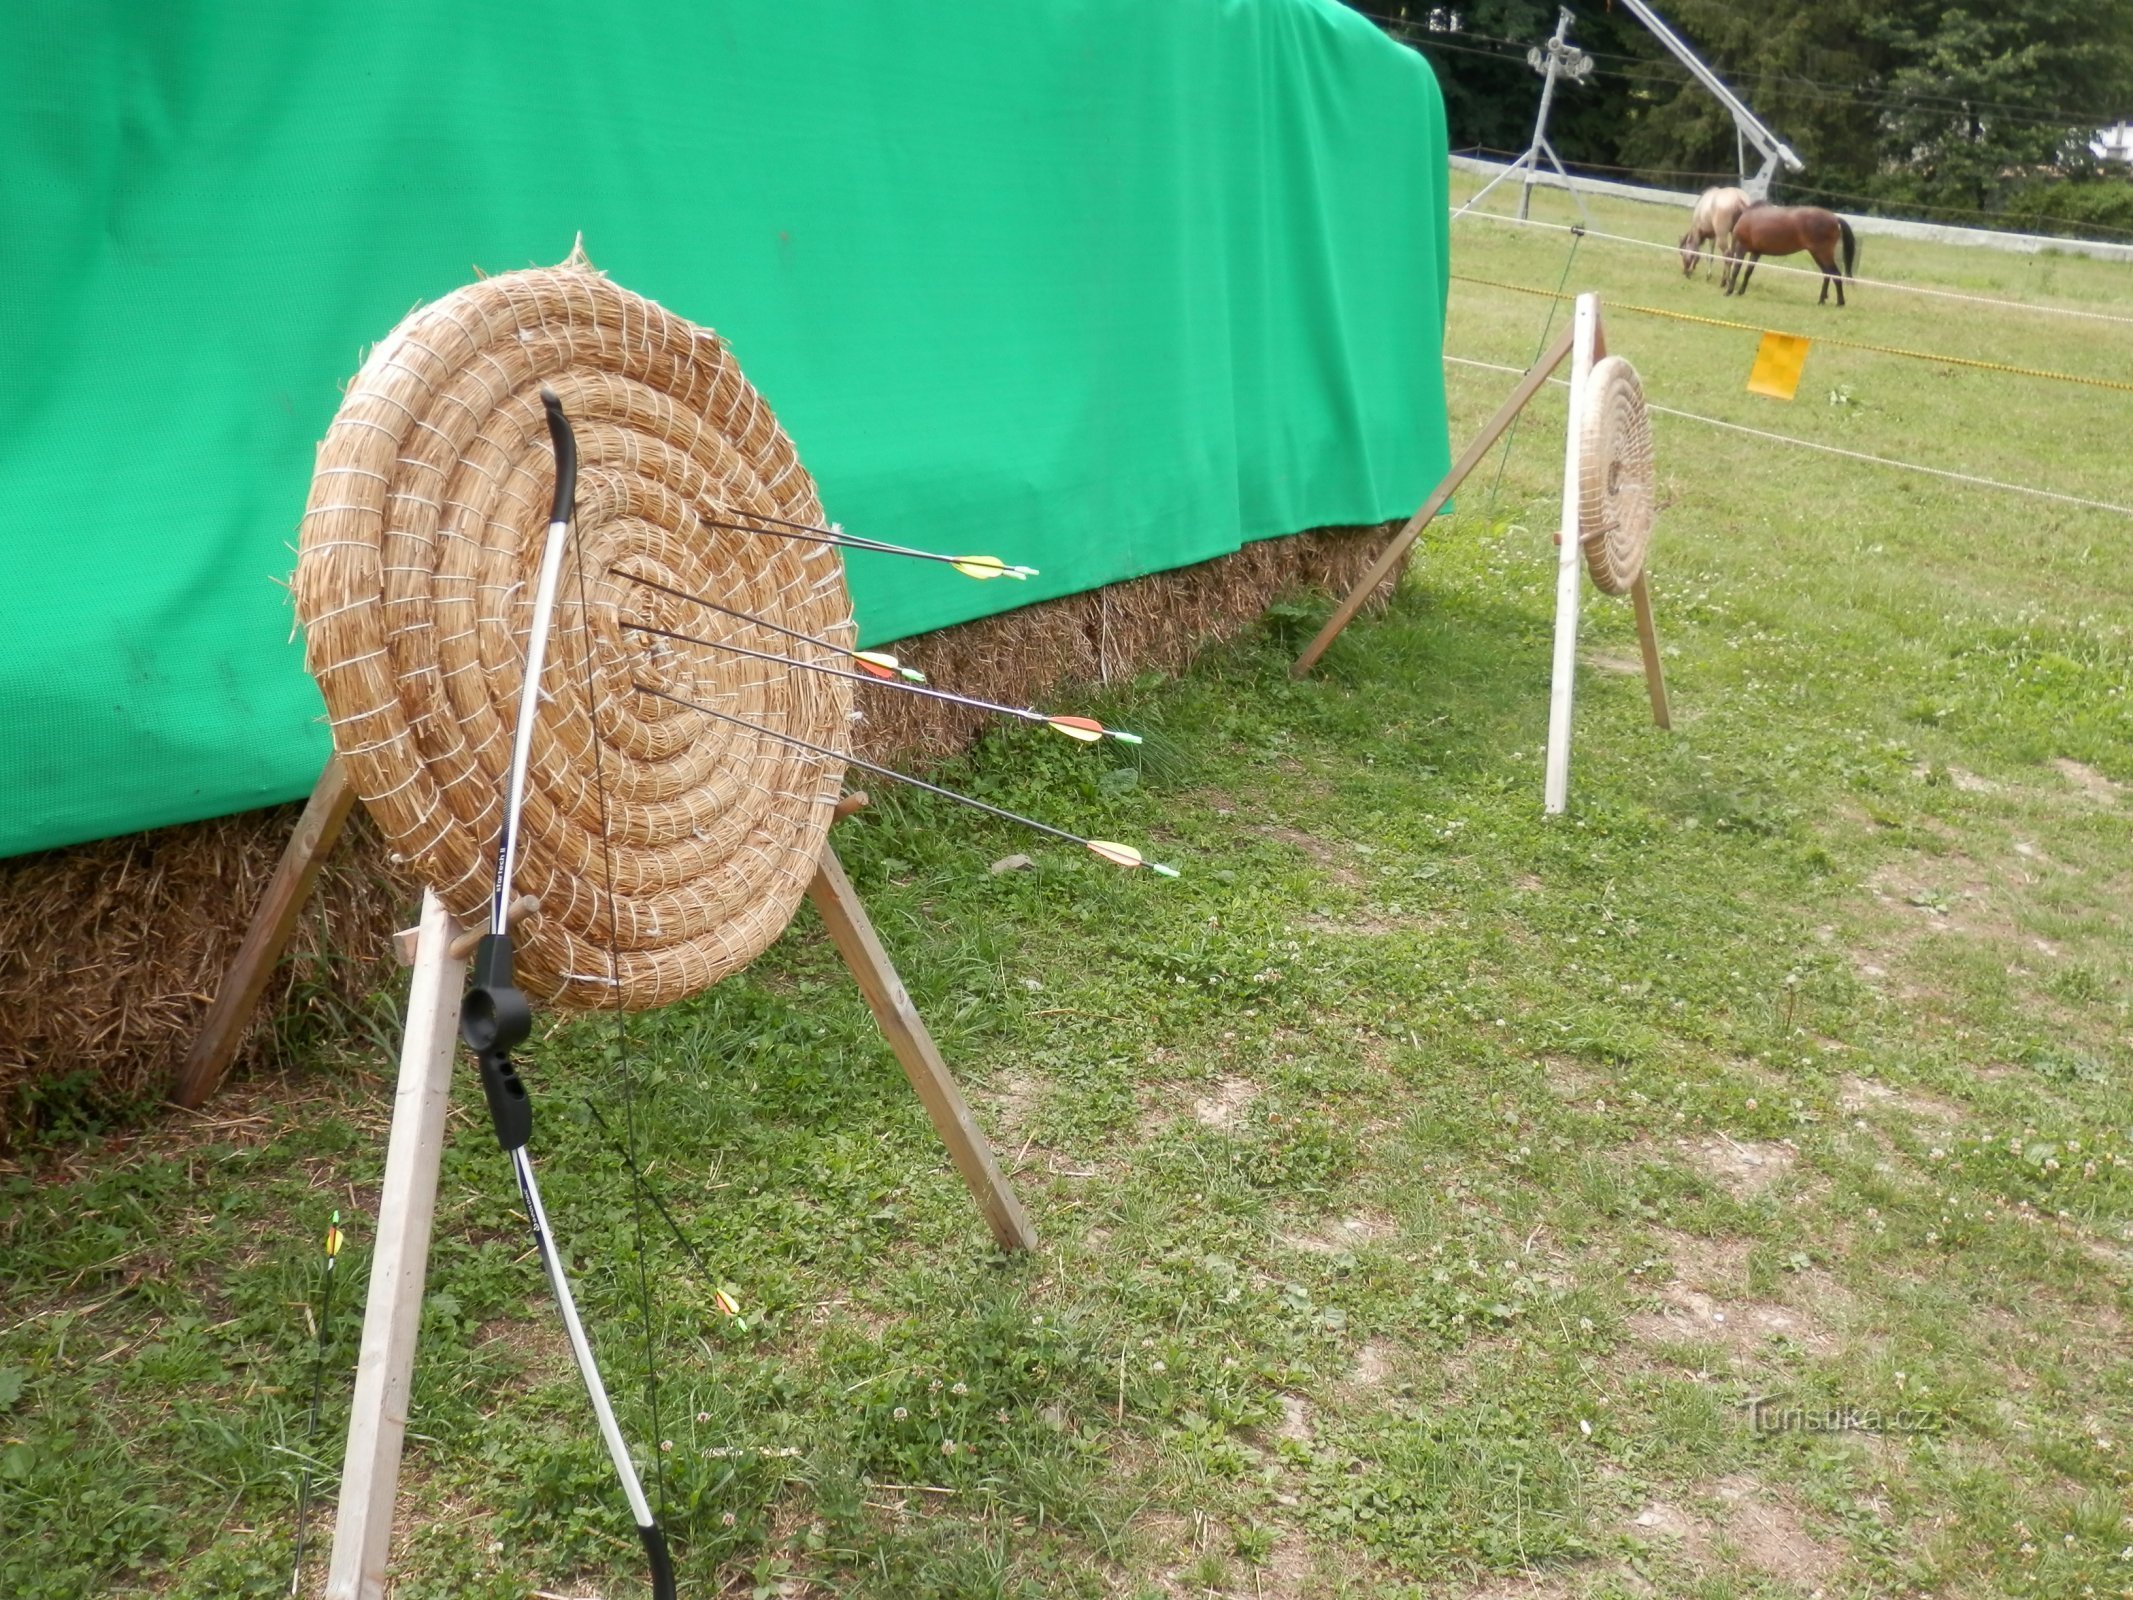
x,y
1588,344
392,1317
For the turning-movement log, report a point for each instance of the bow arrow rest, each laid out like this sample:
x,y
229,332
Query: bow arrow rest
x,y
606,809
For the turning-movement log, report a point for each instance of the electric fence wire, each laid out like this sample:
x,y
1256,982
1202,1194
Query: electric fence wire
x,y
1804,272
1836,450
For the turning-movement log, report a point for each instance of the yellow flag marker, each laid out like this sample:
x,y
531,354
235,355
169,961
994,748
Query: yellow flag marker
x,y
1778,360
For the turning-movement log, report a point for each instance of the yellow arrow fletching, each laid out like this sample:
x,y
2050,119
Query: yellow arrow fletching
x,y
989,567
875,664
727,1303
1086,729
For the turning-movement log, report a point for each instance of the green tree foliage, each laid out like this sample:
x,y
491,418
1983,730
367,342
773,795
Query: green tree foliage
x,y
1965,110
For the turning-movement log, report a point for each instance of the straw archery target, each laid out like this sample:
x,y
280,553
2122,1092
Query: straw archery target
x,y
667,848
1617,491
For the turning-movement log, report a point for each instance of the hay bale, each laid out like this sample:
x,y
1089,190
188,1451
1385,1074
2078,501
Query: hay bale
x,y
1156,623
110,952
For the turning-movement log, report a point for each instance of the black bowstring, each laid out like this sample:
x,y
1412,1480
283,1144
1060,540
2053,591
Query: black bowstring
x,y
651,1193
623,1059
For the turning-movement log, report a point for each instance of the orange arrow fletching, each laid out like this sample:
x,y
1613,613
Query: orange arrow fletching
x,y
883,665
727,1303
1086,729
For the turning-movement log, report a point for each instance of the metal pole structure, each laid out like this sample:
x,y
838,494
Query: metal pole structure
x,y
1540,122
1558,57
1746,125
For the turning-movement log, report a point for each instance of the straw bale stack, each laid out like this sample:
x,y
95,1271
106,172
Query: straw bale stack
x,y
110,952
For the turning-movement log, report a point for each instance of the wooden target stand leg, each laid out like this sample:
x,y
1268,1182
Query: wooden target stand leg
x,y
1588,335
377,1428
1396,551
399,1263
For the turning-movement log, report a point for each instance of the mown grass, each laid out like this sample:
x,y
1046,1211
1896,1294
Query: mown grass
x,y
1426,1187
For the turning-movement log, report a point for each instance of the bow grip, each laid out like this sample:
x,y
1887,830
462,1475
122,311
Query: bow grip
x,y
493,1019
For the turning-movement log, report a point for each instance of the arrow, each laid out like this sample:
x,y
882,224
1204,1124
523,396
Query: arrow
x,y
1123,855
1085,729
814,533
875,663
318,1385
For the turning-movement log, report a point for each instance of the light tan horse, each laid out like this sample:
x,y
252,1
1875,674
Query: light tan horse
x,y
1716,212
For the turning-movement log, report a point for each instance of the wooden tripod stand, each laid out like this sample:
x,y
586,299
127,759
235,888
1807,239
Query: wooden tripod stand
x,y
407,1203
1584,342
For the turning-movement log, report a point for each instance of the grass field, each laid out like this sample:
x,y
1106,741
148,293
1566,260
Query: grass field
x,y
1435,1199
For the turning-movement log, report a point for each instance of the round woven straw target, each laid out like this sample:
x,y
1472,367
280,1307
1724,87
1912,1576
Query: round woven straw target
x,y
667,848
1617,496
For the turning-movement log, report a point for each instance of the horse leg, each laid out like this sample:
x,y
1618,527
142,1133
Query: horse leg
x,y
1753,257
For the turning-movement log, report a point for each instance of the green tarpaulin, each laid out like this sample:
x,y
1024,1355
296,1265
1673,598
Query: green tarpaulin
x,y
1108,286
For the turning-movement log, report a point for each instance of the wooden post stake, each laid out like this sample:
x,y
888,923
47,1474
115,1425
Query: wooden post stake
x,y
1640,597
377,1418
1393,553
272,923
901,1025
1590,344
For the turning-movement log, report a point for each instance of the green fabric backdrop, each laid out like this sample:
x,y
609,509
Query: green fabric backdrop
x,y
1109,286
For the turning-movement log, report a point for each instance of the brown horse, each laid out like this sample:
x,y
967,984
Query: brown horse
x,y
1716,212
1767,230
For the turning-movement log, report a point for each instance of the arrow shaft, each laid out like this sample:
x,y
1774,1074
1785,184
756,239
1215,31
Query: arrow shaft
x,y
838,672
866,766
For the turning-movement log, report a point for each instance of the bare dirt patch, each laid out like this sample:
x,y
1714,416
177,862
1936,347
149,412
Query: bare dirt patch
x,y
1366,923
1342,1234
1742,1521
1770,1532
1944,895
1744,1169
2087,780
1864,1094
1226,1102
1707,1302
1626,662
1330,856
1295,1423
1535,1588
1287,1569
1013,1099
1373,1366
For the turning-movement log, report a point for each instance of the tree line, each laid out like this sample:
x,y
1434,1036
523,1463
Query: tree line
x,y
1963,112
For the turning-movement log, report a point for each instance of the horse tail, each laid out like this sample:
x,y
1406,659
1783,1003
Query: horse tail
x,y
1851,247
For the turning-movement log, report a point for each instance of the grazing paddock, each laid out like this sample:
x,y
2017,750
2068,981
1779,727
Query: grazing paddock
x,y
1434,1199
